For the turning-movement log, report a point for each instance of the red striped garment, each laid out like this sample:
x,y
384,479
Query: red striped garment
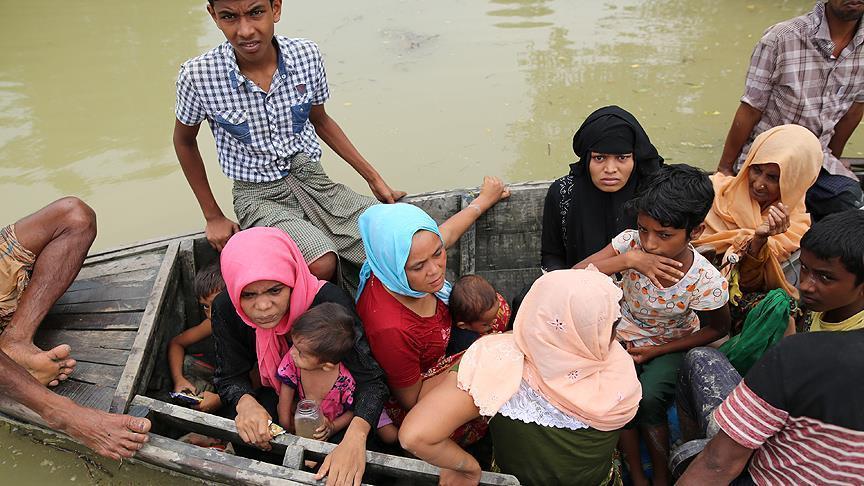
x,y
790,450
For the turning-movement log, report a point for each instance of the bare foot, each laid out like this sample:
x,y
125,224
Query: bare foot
x,y
49,367
107,434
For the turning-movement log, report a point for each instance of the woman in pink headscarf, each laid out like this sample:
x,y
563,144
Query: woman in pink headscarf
x,y
557,390
268,286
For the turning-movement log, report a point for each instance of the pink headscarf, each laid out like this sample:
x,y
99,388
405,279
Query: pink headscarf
x,y
562,347
268,254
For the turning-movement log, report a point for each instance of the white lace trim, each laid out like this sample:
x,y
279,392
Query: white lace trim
x,y
529,407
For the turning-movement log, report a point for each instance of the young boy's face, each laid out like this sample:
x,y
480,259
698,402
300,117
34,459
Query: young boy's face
x,y
248,25
207,303
483,325
826,285
664,240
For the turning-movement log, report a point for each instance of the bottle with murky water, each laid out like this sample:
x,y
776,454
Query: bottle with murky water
x,y
307,418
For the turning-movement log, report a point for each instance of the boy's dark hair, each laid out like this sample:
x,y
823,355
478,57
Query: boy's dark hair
x,y
470,297
839,236
328,330
211,2
678,196
208,280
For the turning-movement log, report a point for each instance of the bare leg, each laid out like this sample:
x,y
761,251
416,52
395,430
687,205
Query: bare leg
x,y
657,440
59,235
629,445
109,435
324,267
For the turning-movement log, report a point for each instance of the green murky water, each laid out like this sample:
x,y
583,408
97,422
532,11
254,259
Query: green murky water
x,y
435,95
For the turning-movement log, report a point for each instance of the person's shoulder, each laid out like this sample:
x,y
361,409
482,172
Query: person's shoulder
x,y
206,61
794,28
297,48
330,292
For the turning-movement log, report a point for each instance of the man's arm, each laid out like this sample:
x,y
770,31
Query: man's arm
x,y
331,133
844,129
218,228
720,462
746,118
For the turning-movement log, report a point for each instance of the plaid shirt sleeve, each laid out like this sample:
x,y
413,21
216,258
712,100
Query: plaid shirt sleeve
x,y
321,93
189,110
762,73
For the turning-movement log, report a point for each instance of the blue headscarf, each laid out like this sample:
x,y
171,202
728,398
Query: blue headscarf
x,y
387,231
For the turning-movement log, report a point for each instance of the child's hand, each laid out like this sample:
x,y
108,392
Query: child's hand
x,y
642,354
183,384
655,267
323,432
210,404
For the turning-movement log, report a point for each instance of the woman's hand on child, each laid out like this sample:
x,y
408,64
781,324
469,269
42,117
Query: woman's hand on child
x,y
323,432
655,267
210,403
776,222
642,354
253,423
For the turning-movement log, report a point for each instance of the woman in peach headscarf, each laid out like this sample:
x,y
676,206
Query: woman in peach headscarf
x,y
759,215
557,390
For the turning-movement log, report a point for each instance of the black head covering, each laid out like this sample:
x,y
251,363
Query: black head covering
x,y
594,216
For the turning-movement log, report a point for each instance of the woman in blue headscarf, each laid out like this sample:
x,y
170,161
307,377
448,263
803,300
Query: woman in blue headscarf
x,y
403,294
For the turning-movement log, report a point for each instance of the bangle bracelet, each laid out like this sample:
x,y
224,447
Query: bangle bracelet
x,y
477,207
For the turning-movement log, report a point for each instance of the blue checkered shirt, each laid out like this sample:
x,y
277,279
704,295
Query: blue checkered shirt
x,y
256,133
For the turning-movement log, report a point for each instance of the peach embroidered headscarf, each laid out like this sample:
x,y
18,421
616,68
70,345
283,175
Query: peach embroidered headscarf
x,y
562,347
734,216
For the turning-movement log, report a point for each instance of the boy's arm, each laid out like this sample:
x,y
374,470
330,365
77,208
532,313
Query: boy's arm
x,y
720,462
286,399
218,228
331,133
746,118
845,127
714,324
606,260
177,350
655,267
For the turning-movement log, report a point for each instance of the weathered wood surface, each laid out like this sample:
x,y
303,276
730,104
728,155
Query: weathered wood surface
x,y
222,428
86,339
115,321
136,373
219,466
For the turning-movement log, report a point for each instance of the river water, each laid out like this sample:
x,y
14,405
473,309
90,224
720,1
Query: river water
x,y
434,94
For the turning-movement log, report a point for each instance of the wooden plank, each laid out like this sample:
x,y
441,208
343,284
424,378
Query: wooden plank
x,y
85,339
128,305
97,374
467,243
146,245
114,321
218,466
86,394
116,357
376,462
128,263
511,281
139,289
108,280
133,373
191,309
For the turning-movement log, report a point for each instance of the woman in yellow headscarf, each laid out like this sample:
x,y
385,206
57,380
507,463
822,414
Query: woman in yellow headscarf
x,y
759,215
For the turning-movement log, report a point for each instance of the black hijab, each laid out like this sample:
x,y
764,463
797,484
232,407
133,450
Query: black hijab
x,y
594,216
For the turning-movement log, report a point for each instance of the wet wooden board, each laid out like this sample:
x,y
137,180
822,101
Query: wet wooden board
x,y
86,339
87,394
115,321
97,374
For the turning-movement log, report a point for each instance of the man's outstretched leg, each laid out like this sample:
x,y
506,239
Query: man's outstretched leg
x,y
59,235
109,435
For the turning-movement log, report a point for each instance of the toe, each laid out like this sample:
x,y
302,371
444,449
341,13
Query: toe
x,y
60,353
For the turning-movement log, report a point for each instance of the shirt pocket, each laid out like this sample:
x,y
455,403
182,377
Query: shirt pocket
x,y
299,116
235,122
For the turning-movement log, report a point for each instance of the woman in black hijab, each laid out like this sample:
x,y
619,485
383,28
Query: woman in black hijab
x,y
584,210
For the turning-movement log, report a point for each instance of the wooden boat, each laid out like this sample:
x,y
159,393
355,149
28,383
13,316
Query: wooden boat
x,y
126,303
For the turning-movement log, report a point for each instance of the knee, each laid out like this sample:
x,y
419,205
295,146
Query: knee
x,y
325,266
411,438
78,216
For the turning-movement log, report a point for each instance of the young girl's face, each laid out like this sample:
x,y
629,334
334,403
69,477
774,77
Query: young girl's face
x,y
303,356
610,172
265,302
664,240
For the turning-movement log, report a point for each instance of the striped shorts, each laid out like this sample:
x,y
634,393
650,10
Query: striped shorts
x,y
16,265
319,214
